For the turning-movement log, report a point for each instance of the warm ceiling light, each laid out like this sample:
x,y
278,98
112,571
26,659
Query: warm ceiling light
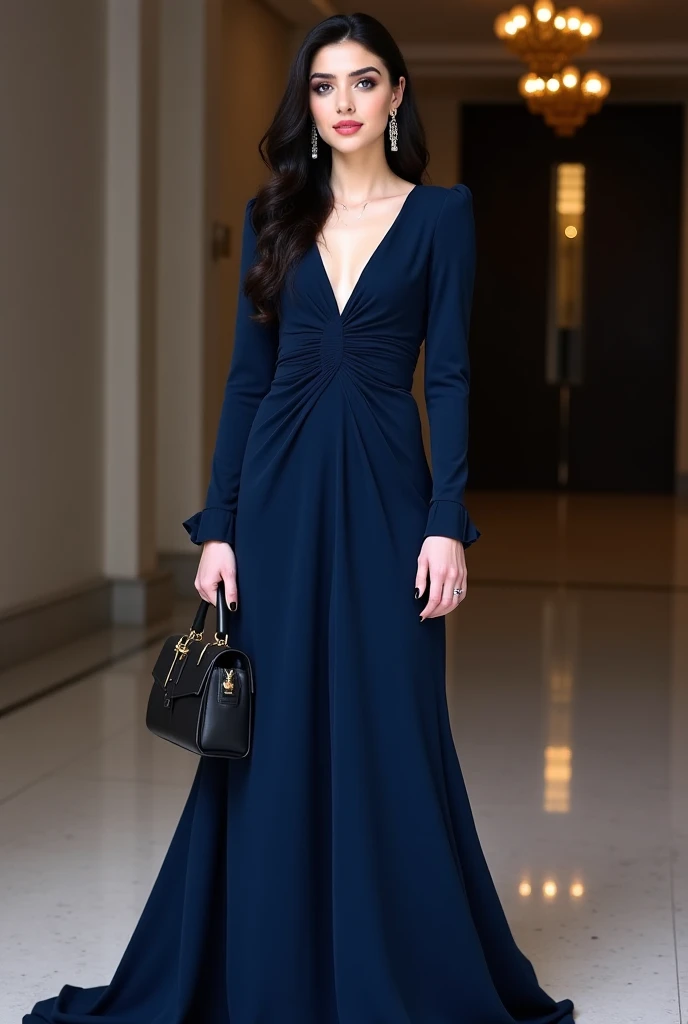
x,y
574,18
520,16
546,39
566,109
595,86
543,10
595,25
531,85
570,231
546,42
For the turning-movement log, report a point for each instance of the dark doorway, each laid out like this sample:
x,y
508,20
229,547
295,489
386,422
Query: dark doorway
x,y
620,417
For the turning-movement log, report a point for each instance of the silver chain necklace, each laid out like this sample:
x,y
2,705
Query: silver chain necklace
x,y
345,207
338,203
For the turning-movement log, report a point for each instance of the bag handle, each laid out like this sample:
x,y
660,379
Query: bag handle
x,y
222,614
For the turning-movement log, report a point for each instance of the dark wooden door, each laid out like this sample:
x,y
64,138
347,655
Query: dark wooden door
x,y
622,414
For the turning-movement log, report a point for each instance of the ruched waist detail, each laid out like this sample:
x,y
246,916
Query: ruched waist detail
x,y
387,361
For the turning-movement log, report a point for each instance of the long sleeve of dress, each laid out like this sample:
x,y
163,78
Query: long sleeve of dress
x,y
446,382
250,375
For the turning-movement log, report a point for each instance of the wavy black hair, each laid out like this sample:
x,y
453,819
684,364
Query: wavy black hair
x,y
291,208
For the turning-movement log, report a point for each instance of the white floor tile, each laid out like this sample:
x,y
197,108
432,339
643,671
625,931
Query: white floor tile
x,y
680,896
78,860
570,715
48,734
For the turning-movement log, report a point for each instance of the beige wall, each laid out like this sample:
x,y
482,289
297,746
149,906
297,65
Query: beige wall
x,y
68,438
130,114
224,65
254,62
51,189
181,265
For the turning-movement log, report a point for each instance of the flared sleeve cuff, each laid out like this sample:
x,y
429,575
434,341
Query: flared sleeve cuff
x,y
451,519
211,524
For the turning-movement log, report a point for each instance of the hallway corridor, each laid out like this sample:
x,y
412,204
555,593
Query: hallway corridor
x,y
569,707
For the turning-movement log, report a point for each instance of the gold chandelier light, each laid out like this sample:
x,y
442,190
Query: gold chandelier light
x,y
564,99
546,40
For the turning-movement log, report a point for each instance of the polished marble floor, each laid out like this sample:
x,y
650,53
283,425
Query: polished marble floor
x,y
568,690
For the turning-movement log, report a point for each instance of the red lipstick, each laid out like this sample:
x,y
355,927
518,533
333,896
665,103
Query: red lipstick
x,y
347,127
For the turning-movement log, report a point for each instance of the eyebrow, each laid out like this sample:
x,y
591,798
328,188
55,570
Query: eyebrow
x,y
352,74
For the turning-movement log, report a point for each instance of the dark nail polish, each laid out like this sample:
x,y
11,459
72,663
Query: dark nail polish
x,y
421,618
417,592
232,606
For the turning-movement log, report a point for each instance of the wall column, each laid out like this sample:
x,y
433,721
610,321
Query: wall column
x,y
140,592
181,271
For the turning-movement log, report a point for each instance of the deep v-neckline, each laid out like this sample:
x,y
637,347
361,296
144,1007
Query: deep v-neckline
x,y
341,313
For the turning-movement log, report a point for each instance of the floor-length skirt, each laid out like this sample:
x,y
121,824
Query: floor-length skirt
x,y
335,876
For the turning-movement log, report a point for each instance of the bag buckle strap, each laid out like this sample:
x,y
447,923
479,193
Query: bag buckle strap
x,y
182,648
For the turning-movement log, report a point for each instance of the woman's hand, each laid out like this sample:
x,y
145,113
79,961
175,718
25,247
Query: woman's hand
x,y
217,563
444,559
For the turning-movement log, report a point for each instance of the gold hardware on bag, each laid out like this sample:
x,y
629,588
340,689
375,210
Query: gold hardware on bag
x,y
184,641
228,682
215,643
203,652
182,648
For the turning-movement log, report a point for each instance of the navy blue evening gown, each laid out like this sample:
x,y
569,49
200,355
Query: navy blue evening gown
x,y
335,876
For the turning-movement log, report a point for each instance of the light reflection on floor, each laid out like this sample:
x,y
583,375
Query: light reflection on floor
x,y
569,709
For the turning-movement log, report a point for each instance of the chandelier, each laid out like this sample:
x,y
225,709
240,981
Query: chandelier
x,y
564,99
546,41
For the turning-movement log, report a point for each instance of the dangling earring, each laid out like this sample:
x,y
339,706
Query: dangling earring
x,y
314,141
393,132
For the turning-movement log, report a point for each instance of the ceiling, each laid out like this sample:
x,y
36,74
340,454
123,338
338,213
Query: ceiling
x,y
643,41
470,21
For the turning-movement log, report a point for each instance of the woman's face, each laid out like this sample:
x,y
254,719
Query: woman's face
x,y
350,84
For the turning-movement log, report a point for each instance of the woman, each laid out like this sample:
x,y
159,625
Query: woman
x,y
335,876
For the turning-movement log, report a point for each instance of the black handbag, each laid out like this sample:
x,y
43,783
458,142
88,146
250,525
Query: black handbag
x,y
202,694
